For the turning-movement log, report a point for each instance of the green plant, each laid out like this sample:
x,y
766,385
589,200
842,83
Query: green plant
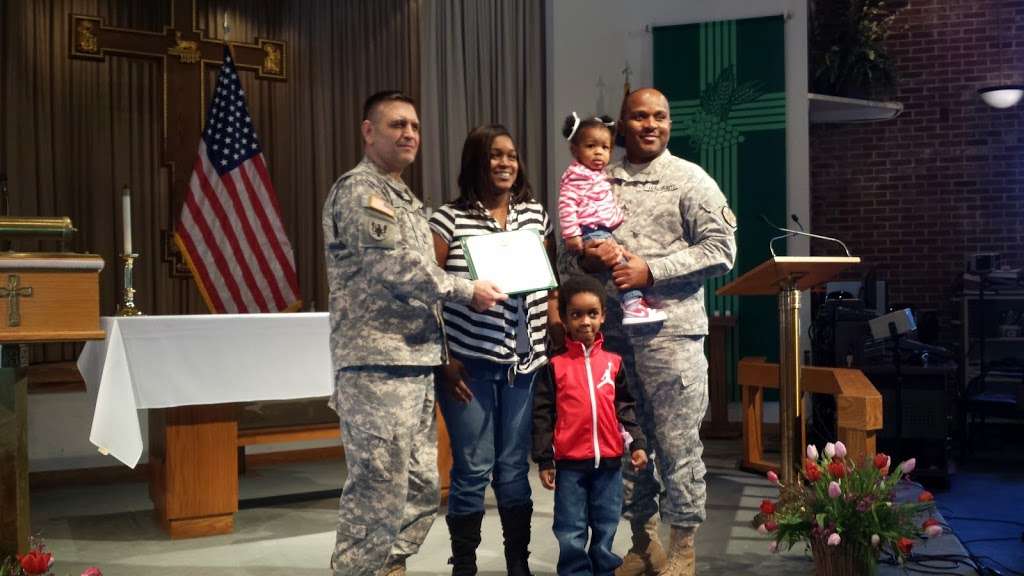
x,y
10,567
837,503
847,45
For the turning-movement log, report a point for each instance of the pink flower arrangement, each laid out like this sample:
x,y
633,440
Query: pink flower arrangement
x,y
836,504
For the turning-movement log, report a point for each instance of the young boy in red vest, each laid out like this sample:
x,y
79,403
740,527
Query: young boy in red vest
x,y
583,419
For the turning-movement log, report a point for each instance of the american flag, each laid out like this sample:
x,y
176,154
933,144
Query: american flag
x,y
230,229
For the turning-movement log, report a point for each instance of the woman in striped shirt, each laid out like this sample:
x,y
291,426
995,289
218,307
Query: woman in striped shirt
x,y
487,386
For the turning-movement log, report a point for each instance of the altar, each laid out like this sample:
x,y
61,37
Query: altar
x,y
191,372
196,369
171,361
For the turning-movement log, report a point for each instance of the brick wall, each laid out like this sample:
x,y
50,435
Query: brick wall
x,y
946,178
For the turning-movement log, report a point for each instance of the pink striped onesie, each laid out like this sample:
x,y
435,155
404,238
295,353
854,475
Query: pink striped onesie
x,y
585,200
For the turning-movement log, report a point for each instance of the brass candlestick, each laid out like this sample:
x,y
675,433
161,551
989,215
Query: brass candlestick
x,y
127,306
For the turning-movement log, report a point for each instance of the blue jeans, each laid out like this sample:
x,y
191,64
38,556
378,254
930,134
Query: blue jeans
x,y
490,437
584,499
602,234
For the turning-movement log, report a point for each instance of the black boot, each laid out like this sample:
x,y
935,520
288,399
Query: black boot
x,y
465,535
515,525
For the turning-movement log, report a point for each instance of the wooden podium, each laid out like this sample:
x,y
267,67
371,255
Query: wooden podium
x,y
43,298
787,276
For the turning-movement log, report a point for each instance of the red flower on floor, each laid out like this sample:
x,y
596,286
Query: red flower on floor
x,y
905,545
767,507
925,496
811,470
36,561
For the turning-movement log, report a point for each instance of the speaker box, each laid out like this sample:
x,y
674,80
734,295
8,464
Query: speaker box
x,y
916,417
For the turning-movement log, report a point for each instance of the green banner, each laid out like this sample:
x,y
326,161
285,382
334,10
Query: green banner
x,y
726,86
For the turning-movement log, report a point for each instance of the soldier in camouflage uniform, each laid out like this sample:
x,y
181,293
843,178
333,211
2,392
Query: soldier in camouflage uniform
x,y
678,232
385,341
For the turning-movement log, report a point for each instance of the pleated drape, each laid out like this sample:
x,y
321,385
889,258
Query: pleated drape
x,y
72,132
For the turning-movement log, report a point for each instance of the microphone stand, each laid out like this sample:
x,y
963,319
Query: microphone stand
x,y
789,233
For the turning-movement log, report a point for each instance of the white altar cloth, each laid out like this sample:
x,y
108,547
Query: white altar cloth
x,y
166,361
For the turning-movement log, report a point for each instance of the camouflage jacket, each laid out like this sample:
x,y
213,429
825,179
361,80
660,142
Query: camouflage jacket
x,y
384,283
677,219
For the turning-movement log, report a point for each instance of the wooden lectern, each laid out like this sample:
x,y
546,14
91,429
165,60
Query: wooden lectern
x,y
43,298
786,276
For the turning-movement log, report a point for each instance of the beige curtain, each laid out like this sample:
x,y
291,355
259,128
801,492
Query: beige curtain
x,y
482,62
72,132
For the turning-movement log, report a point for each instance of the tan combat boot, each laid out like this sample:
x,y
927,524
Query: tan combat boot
x,y
394,570
682,557
646,557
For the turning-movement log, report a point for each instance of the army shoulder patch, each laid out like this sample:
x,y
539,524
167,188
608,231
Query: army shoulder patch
x,y
729,217
378,227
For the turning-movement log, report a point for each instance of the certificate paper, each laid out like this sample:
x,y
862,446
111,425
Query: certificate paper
x,y
516,261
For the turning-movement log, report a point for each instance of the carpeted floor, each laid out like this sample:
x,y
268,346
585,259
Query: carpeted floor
x,y
113,526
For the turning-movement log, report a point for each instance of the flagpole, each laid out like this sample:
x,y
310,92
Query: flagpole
x,y
227,34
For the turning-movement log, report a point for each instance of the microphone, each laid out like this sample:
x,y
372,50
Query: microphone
x,y
790,232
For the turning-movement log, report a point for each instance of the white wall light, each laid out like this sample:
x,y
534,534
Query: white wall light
x,y
1002,96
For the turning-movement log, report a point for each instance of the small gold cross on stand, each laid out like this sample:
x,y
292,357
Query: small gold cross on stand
x,y
127,306
12,292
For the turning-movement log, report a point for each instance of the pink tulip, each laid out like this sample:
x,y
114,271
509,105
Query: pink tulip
x,y
830,450
762,529
840,450
812,452
92,571
875,540
773,547
908,466
834,539
773,477
933,531
833,489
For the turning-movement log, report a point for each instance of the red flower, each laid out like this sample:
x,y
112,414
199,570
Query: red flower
x,y
930,522
881,460
771,526
925,496
36,561
811,470
836,469
882,463
905,545
767,507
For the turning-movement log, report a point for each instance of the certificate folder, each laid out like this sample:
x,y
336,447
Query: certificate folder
x,y
516,261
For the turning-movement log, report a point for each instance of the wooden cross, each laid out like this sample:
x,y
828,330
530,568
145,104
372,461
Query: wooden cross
x,y
12,292
184,52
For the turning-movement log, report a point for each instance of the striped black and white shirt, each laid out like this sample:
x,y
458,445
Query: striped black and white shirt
x,y
491,335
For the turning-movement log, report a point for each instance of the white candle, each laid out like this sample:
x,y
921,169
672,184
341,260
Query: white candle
x,y
126,219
